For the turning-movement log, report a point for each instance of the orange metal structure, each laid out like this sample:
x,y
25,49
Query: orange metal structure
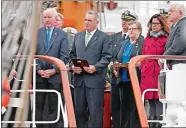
x,y
74,12
107,122
66,87
5,96
135,83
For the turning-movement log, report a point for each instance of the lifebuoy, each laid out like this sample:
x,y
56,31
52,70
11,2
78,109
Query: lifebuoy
x,y
111,5
5,94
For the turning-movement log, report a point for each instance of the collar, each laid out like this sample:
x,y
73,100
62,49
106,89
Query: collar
x,y
127,34
51,28
92,33
177,22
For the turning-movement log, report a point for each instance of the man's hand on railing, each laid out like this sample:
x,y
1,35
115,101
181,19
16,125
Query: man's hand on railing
x,y
161,61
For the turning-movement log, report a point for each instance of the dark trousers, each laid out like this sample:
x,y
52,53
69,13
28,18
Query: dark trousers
x,y
52,104
124,112
115,105
89,106
156,107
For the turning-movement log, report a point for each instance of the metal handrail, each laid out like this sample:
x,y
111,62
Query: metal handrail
x,y
135,83
39,122
143,99
65,85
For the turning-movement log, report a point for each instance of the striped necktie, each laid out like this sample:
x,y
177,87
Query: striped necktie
x,y
87,38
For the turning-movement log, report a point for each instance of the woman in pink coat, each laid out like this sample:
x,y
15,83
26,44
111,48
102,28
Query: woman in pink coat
x,y
153,45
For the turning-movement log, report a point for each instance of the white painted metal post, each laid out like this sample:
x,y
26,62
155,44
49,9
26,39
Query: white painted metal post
x,y
34,93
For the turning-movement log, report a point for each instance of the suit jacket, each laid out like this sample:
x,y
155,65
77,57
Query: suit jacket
x,y
58,48
97,53
137,50
176,44
116,42
70,40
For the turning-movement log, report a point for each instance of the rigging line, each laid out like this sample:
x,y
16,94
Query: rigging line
x,y
15,86
17,25
36,13
104,16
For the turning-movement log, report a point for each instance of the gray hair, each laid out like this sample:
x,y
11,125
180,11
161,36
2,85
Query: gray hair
x,y
91,12
53,10
137,23
179,7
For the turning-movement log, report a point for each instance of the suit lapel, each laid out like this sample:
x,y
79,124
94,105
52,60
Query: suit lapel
x,y
117,43
120,37
53,37
123,45
44,37
83,39
120,42
93,39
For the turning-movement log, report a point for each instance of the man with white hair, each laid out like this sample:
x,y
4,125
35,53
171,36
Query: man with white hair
x,y
51,42
176,44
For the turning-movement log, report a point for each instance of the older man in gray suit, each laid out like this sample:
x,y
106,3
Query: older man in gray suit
x,y
94,46
51,42
176,44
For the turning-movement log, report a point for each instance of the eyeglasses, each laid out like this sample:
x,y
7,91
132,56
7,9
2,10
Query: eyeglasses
x,y
133,29
153,23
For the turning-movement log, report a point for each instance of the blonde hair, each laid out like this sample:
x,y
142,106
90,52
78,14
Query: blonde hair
x,y
60,16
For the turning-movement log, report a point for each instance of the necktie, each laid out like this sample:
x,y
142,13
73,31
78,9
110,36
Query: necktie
x,y
123,37
87,38
172,26
48,37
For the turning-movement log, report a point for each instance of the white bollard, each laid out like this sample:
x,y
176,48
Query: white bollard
x,y
171,115
181,113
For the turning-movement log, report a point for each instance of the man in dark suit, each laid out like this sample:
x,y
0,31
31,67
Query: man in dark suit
x,y
176,44
94,46
51,42
116,90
